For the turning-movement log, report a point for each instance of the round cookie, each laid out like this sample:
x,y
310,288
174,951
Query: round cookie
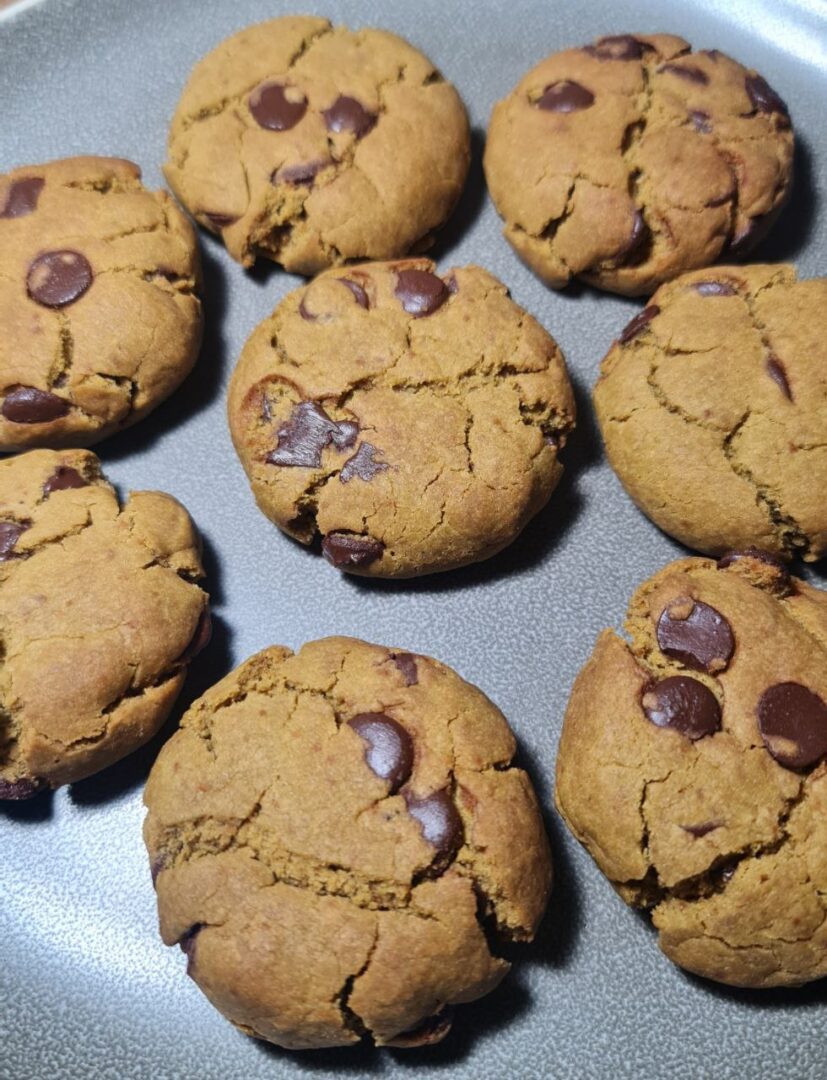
x,y
314,145
712,408
100,616
693,767
98,304
411,420
632,160
339,842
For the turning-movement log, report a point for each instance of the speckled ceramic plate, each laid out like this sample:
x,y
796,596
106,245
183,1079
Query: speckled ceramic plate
x,y
86,987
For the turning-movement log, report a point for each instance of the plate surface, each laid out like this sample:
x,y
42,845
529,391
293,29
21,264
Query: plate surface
x,y
86,987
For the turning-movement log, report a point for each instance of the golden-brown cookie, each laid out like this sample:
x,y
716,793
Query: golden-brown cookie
x,y
713,408
693,767
314,145
99,617
98,304
334,835
630,161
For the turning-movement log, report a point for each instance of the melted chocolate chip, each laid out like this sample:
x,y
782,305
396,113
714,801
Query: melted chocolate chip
x,y
430,1031
775,370
200,638
58,278
565,97
793,724
188,942
406,663
440,823
363,464
345,550
24,788
22,197
271,106
308,431
764,99
753,553
702,829
696,634
10,532
617,47
359,293
683,704
747,237
715,288
638,324
701,121
62,478
688,72
636,237
220,221
347,114
28,405
298,175
389,748
420,292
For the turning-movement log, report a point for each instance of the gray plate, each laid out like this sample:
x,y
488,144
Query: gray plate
x,y
86,987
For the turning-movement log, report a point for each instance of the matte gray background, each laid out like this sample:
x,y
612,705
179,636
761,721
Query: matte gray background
x,y
86,987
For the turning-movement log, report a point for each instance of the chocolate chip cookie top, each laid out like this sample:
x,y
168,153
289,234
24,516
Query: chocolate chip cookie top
x,y
338,838
713,408
100,616
412,420
313,145
693,767
98,304
629,161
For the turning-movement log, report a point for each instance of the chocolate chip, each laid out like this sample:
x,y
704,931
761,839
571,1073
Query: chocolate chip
x,y
406,663
298,175
764,99
617,47
62,478
277,107
308,316
27,405
565,97
344,550
683,704
775,370
363,464
430,1031
715,288
188,942
636,237
22,197
58,278
752,553
389,748
359,293
701,120
701,830
793,724
420,292
10,532
452,284
696,634
24,788
638,324
440,823
200,638
347,114
746,238
220,221
308,431
688,72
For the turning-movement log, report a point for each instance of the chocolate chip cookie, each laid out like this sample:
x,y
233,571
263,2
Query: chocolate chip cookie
x,y
413,421
339,840
99,614
632,160
98,280
313,145
693,767
712,407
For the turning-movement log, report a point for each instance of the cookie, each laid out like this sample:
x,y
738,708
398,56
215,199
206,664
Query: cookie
x,y
712,408
314,145
340,843
98,301
413,421
693,767
632,160
100,615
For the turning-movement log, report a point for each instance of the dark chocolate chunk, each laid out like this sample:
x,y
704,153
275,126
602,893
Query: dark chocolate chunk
x,y
28,405
746,238
64,477
688,72
308,431
430,1031
406,662
638,324
764,99
359,293
702,829
10,532
715,288
300,174
24,788
363,464
752,553
617,47
420,292
22,197
636,237
565,97
683,704
347,114
440,822
793,724
775,370
389,748
220,221
345,550
200,638
696,634
58,278
277,107
188,942
701,120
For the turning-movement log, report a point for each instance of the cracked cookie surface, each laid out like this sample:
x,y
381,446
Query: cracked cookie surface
x,y
713,408
338,838
314,145
632,160
98,301
413,421
99,617
718,828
